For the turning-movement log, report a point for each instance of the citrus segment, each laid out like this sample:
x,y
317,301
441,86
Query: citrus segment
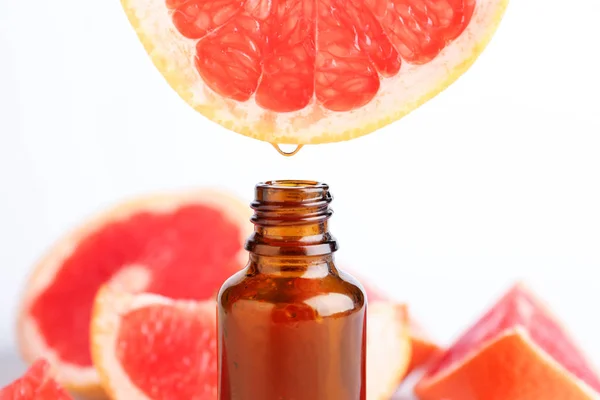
x,y
36,384
151,347
311,71
180,245
388,349
423,347
517,350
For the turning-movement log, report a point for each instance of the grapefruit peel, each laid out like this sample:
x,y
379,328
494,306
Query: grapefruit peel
x,y
172,54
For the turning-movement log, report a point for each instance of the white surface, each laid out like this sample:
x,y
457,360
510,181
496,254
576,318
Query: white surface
x,y
496,179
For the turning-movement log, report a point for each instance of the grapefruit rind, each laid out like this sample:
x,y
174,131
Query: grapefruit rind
x,y
173,56
109,307
532,374
31,341
388,348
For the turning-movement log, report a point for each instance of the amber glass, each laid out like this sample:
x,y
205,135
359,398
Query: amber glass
x,y
292,326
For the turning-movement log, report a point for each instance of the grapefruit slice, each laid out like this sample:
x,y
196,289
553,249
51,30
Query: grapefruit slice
x,y
516,351
423,347
183,245
142,343
388,348
147,346
311,71
37,384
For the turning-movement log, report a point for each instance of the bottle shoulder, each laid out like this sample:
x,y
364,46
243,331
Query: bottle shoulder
x,y
326,294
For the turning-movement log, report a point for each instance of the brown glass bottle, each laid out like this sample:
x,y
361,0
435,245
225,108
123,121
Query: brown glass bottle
x,y
291,325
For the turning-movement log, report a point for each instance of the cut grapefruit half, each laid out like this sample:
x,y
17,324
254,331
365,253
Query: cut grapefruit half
x,y
311,71
37,384
516,351
147,346
182,245
143,343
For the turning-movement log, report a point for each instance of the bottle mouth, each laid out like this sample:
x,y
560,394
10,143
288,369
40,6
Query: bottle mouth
x,y
291,202
293,184
290,218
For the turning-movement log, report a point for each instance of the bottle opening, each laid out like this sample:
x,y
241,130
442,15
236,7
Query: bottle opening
x,y
291,215
293,184
291,202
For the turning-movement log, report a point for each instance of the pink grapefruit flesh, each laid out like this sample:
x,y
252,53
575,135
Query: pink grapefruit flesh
x,y
185,256
176,245
288,51
36,384
151,347
546,362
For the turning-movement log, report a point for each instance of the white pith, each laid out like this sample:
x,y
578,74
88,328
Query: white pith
x,y
398,95
110,306
388,349
131,278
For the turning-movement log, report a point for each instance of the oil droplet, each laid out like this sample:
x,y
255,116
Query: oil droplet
x,y
287,153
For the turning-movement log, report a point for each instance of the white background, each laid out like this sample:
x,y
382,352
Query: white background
x,y
497,179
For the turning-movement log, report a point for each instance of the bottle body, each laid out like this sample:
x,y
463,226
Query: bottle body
x,y
291,325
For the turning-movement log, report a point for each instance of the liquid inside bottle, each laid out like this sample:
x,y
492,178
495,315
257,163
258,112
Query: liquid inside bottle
x,y
291,325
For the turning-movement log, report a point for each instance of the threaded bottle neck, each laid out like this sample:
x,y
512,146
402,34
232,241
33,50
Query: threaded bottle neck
x,y
290,219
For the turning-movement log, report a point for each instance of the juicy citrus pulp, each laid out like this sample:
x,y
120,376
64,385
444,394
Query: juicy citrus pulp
x,y
151,347
516,350
288,51
311,71
179,245
36,384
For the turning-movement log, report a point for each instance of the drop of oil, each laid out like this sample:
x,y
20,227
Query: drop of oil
x,y
287,150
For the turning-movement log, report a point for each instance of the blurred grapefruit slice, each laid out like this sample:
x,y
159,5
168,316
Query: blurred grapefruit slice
x,y
388,348
37,384
147,346
311,71
142,343
423,347
182,245
516,351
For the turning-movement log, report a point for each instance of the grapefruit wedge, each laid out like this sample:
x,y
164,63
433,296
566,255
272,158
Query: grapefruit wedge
x,y
147,346
516,351
37,384
183,245
423,347
388,348
311,71
143,343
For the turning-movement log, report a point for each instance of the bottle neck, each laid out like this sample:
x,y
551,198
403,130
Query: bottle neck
x,y
291,219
